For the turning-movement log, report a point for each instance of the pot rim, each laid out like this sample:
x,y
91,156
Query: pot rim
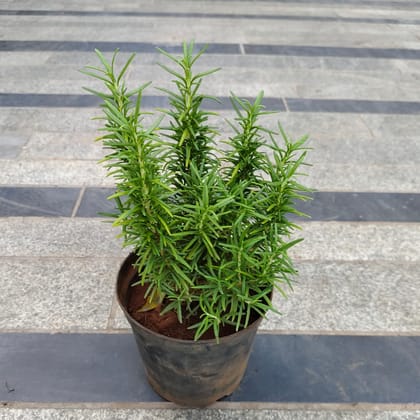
x,y
253,325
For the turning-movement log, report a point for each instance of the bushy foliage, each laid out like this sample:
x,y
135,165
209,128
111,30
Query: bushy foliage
x,y
210,228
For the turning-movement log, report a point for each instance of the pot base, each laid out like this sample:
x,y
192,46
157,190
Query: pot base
x,y
186,372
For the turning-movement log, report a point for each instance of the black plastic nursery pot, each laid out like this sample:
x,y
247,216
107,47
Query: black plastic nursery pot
x,y
186,372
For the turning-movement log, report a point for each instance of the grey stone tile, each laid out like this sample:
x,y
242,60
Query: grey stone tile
x,y
342,297
53,172
392,126
40,72
78,59
376,178
207,15
205,414
59,237
37,201
325,241
11,144
71,146
75,120
321,125
364,88
12,58
361,150
69,31
117,320
363,64
56,294
348,297
49,119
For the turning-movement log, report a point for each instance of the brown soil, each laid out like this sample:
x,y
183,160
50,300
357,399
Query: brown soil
x,y
168,324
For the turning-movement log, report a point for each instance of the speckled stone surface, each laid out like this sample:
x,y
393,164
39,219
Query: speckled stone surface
x,y
77,146
366,297
52,172
204,414
325,241
61,237
56,294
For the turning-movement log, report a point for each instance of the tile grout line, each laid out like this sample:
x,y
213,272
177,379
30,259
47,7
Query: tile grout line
x,y
286,105
242,48
78,202
219,405
112,315
261,331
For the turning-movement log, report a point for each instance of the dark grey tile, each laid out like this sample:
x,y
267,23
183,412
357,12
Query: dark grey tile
x,y
224,102
94,201
66,100
352,106
213,48
320,51
324,206
282,368
332,369
47,100
37,201
382,3
362,207
80,101
13,45
109,46
72,368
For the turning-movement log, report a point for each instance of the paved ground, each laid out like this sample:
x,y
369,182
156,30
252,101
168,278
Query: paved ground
x,y
347,73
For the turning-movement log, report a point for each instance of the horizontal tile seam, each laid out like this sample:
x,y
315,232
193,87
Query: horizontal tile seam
x,y
289,406
119,257
210,15
261,331
110,188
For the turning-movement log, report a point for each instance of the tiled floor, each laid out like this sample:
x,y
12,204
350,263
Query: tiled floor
x,y
345,72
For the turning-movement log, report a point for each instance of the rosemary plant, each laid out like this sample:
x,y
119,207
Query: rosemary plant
x,y
210,228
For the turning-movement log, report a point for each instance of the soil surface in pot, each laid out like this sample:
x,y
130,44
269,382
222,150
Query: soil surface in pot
x,y
168,324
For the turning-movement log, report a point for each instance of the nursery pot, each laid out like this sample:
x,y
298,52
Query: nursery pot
x,y
186,372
